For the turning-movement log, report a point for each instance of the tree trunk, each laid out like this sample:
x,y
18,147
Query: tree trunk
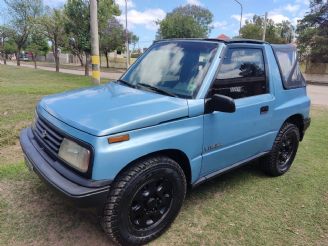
x,y
18,56
86,67
107,60
34,60
57,63
80,59
5,59
56,55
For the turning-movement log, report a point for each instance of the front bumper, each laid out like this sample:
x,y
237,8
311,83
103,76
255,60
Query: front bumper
x,y
94,193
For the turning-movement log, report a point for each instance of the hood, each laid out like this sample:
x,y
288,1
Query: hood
x,y
113,108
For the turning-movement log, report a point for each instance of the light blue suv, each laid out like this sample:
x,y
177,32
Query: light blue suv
x,y
186,111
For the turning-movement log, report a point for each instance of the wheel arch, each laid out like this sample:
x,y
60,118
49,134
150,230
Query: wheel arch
x,y
297,120
179,156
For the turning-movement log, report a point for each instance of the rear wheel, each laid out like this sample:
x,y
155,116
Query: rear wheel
x,y
283,151
144,201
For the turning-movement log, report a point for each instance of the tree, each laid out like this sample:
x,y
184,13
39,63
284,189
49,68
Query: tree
x,y
77,28
112,38
37,44
5,45
52,26
312,32
286,31
189,21
77,25
9,49
275,33
23,14
133,39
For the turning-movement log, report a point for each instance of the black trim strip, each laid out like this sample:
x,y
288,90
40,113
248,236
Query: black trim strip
x,y
227,169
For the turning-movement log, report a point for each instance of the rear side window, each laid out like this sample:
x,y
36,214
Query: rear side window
x,y
241,74
286,57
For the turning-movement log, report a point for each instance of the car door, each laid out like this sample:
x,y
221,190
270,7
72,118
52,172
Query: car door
x,y
231,138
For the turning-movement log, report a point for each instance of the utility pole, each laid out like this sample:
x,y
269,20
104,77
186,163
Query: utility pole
x,y
241,14
127,36
265,25
94,42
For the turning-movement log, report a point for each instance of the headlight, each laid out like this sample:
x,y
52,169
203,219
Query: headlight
x,y
75,155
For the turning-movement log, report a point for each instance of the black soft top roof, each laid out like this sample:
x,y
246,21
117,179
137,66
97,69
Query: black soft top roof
x,y
235,40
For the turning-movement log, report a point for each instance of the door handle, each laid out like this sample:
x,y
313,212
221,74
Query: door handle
x,y
264,109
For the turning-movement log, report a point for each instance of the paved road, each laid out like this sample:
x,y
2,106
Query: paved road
x,y
316,78
318,94
106,75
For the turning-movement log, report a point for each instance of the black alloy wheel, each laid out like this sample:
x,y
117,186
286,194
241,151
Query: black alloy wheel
x,y
286,150
151,203
144,200
283,152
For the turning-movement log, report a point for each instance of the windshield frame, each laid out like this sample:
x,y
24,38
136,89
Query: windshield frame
x,y
207,76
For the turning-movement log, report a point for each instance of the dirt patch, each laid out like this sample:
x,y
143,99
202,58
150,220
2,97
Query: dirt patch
x,y
35,215
11,154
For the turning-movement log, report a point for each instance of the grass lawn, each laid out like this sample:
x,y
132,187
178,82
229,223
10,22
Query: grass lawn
x,y
240,208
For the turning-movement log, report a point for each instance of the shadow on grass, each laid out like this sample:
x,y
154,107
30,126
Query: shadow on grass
x,y
231,178
45,216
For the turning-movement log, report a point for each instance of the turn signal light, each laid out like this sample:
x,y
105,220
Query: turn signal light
x,y
118,139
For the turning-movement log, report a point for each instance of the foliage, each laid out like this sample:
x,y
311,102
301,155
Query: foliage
x,y
37,44
106,10
275,33
7,45
133,39
112,37
313,32
23,14
189,21
77,26
52,26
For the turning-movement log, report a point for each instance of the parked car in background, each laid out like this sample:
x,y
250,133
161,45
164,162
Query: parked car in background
x,y
186,111
24,57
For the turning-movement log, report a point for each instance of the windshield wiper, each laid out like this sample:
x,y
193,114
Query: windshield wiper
x,y
122,81
157,89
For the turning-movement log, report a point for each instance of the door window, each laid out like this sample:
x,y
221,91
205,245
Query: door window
x,y
241,74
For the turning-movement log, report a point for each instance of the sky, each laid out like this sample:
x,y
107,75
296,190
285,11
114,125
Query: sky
x,y
142,14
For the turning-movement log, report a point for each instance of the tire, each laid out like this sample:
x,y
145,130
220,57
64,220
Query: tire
x,y
283,152
144,200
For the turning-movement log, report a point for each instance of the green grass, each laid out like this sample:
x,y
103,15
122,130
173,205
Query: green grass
x,y
20,89
240,208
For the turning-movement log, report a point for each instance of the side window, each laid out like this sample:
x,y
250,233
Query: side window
x,y
241,74
287,60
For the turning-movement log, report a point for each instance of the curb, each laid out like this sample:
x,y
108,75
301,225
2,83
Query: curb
x,y
317,83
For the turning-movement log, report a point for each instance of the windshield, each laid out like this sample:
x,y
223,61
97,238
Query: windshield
x,y
177,67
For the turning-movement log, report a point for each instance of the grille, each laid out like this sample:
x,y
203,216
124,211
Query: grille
x,y
47,136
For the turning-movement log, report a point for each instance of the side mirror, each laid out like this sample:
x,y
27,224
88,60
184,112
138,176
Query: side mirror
x,y
220,103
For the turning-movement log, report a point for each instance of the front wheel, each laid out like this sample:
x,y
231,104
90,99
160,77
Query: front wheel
x,y
283,151
144,201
